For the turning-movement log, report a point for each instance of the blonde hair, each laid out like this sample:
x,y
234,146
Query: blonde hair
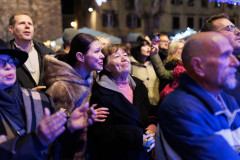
x,y
102,38
173,47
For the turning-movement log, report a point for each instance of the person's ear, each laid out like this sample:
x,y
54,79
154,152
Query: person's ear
x,y
197,66
80,57
10,28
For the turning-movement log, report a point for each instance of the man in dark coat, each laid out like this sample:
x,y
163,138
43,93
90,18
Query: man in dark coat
x,y
30,74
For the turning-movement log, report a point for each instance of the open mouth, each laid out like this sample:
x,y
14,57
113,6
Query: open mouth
x,y
27,33
10,76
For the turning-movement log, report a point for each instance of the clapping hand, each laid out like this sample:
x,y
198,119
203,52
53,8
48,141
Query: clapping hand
x,y
51,126
81,117
3,138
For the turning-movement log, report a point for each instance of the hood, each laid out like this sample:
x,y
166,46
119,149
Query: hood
x,y
105,80
56,70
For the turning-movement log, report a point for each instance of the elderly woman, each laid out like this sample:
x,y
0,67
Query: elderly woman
x,y
26,124
69,79
126,133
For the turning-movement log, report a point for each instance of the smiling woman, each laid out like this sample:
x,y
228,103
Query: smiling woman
x,y
128,131
69,78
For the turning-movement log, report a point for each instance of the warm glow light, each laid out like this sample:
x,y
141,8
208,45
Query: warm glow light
x,y
74,24
90,9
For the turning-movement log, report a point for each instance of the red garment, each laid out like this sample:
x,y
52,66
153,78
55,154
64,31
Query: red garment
x,y
178,70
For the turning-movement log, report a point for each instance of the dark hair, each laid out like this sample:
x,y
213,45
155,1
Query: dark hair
x,y
208,25
80,43
109,50
136,51
12,20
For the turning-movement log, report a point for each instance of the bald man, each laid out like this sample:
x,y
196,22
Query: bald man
x,y
199,120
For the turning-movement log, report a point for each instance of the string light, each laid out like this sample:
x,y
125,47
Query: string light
x,y
183,35
234,2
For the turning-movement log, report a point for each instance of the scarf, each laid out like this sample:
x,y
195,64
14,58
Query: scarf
x,y
11,104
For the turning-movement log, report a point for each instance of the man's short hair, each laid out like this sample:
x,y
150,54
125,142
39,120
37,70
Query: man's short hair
x,y
12,20
208,26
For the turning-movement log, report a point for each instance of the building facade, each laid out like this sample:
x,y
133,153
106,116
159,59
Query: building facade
x,y
46,16
119,17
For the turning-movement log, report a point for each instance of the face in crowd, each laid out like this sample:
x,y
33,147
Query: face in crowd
x,y
164,42
7,71
214,62
94,57
176,48
227,28
146,49
22,29
118,63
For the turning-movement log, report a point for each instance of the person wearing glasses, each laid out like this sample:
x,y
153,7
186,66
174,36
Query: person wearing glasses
x,y
222,24
26,124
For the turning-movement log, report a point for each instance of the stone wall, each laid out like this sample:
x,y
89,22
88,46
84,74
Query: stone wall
x,y
46,16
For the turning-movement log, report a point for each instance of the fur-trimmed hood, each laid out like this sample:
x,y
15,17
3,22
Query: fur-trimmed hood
x,y
56,70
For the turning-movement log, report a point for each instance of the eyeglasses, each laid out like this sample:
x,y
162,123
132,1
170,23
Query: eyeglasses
x,y
13,62
163,41
230,28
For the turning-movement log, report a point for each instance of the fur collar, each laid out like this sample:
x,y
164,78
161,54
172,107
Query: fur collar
x,y
56,70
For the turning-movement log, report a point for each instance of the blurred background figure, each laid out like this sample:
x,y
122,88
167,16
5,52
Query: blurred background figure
x,y
128,46
173,62
105,41
67,37
142,68
163,45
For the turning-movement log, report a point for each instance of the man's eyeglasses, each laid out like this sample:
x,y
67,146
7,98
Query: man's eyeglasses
x,y
230,28
13,62
163,41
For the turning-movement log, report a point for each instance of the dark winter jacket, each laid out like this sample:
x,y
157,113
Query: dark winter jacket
x,y
24,77
120,137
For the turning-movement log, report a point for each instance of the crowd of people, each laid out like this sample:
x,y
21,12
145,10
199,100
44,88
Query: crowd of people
x,y
95,100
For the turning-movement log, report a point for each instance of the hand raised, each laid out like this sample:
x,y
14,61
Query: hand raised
x,y
51,126
81,117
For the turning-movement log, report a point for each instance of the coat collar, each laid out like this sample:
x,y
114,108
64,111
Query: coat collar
x,y
195,89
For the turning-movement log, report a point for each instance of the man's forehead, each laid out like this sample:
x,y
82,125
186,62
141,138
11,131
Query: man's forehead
x,y
21,17
163,37
221,23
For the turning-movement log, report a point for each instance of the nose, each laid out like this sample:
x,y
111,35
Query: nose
x,y
7,66
27,25
237,33
102,55
234,61
123,58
